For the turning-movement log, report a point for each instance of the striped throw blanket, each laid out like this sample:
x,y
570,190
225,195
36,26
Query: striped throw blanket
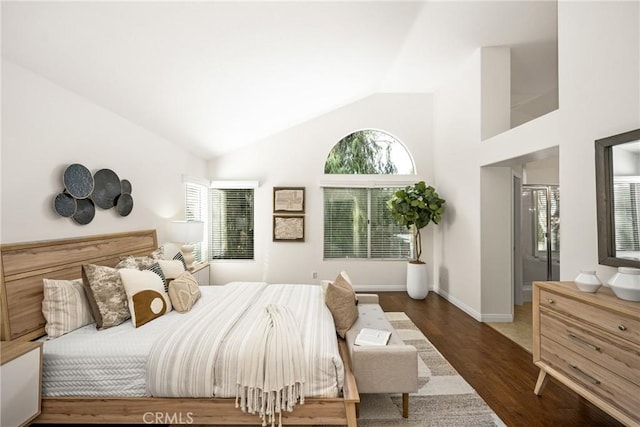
x,y
181,363
271,368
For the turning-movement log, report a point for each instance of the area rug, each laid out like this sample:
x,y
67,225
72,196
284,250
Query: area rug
x,y
444,398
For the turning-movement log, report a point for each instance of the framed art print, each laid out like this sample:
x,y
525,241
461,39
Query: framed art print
x,y
288,228
288,199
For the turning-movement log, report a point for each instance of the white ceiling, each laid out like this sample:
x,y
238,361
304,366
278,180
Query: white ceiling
x,y
215,76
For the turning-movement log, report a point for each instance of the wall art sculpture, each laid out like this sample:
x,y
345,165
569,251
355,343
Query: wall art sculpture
x,y
84,191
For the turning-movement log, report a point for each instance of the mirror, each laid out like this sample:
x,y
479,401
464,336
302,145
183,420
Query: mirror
x,y
618,199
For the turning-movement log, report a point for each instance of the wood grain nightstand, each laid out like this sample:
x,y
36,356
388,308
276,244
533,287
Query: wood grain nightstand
x,y
21,386
201,272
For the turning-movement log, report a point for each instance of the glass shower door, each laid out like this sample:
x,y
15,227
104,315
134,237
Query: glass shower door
x,y
540,233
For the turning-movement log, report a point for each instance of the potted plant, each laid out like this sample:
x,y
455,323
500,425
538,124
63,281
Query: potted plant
x,y
415,207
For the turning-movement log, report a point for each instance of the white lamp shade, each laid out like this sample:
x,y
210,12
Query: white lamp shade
x,y
186,231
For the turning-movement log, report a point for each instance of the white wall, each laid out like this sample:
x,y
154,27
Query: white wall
x,y
597,99
545,171
296,158
45,128
457,111
496,193
495,90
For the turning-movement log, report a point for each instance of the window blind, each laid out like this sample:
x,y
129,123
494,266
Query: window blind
x,y
626,196
195,210
231,223
357,224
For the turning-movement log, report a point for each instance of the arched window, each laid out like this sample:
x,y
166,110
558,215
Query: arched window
x,y
369,151
357,222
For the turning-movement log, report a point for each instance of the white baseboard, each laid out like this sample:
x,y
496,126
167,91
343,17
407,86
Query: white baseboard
x,y
497,318
462,306
473,313
380,288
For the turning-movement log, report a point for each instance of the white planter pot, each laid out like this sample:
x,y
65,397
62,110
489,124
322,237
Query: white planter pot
x,y
417,286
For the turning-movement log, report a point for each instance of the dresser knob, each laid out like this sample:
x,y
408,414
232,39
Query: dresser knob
x,y
622,327
551,301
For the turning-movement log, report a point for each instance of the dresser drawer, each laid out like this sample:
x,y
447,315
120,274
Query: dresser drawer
x,y
620,357
615,323
610,388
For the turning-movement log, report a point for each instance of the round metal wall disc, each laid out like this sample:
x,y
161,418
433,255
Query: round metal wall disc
x,y
106,189
124,204
78,181
85,211
65,204
126,186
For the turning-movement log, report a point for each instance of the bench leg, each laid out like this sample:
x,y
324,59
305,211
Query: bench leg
x,y
405,405
357,410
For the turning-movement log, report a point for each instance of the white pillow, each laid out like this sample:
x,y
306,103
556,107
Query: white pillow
x,y
65,306
171,268
145,295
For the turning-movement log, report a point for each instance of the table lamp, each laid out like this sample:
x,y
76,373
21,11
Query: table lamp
x,y
187,233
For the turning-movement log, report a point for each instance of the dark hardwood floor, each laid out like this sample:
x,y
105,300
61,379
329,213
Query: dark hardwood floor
x,y
500,371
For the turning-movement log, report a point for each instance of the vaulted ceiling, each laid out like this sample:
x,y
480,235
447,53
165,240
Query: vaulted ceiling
x,y
215,76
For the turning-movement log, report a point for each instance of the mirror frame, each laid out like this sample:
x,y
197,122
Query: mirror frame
x,y
604,199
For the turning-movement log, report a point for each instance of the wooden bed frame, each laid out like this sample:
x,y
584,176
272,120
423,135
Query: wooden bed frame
x,y
22,268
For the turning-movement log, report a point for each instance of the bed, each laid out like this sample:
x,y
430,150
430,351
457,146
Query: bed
x,y
23,267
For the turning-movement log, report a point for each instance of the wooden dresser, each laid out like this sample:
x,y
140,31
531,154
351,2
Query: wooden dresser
x,y
591,343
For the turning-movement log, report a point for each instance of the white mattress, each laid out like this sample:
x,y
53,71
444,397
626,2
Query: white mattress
x,y
110,362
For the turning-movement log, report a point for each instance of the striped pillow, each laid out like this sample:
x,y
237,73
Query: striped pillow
x,y
158,270
65,306
180,257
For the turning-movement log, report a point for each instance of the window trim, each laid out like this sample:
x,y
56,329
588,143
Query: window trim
x,y
368,181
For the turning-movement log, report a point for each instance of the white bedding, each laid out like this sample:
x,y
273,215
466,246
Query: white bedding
x,y
113,362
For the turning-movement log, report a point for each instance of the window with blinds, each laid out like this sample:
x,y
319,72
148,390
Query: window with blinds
x,y
196,210
231,223
626,196
357,224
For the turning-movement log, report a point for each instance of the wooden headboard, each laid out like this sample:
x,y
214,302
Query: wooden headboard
x,y
24,265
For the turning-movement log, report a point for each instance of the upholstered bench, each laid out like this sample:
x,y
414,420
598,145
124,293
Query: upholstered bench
x,y
382,369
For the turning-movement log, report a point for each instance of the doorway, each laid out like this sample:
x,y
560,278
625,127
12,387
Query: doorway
x,y
539,237
536,253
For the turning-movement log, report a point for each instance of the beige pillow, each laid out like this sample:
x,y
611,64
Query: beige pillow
x,y
184,292
65,306
171,268
106,295
140,262
145,295
341,301
127,262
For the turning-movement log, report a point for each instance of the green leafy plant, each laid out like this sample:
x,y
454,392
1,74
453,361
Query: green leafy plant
x,y
415,207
